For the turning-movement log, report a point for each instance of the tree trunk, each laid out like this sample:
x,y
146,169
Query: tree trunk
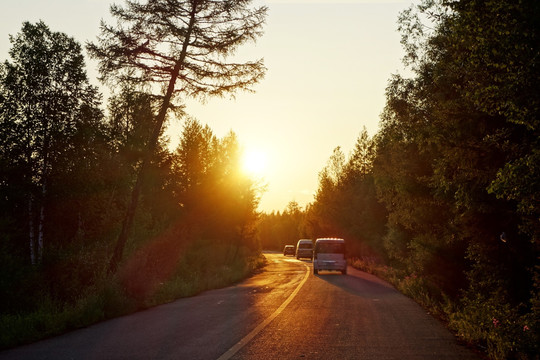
x,y
41,224
31,231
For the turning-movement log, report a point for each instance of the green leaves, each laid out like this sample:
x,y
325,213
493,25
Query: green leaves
x,y
457,154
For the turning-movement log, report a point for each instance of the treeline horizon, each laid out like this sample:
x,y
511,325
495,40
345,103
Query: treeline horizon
x,y
444,200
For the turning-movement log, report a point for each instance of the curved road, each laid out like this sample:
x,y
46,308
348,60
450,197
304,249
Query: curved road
x,y
284,312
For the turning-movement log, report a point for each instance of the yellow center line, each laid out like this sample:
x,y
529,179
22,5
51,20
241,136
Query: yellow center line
x,y
233,350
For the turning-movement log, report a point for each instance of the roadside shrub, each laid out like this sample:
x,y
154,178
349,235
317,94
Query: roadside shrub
x,y
503,331
373,266
419,289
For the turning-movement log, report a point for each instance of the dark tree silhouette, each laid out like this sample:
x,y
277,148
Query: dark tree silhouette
x,y
177,48
46,102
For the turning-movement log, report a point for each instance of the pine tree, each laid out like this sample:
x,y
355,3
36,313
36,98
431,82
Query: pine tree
x,y
177,48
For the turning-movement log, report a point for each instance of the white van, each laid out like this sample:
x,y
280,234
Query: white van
x,y
329,254
304,249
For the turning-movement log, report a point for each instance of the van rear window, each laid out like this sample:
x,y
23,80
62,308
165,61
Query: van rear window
x,y
305,246
330,248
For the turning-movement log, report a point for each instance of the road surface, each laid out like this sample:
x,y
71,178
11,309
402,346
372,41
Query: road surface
x,y
284,312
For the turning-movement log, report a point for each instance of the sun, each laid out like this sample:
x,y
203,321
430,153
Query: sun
x,y
255,162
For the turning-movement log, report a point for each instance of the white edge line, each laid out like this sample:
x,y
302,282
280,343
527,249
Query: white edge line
x,y
233,350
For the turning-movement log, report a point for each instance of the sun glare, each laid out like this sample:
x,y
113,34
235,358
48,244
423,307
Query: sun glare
x,y
255,162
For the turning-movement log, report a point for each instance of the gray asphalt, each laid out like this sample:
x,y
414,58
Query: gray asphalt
x,y
277,314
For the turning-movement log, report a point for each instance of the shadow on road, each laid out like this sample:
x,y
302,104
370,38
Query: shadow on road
x,y
360,284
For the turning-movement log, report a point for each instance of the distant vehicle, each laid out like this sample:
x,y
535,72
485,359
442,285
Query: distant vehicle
x,y
304,249
329,254
288,250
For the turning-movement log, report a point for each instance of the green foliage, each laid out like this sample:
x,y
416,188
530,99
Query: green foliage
x,y
455,167
490,322
346,203
519,181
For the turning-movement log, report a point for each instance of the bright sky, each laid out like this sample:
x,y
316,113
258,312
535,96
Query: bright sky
x,y
328,66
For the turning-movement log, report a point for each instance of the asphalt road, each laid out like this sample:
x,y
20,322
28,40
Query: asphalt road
x,y
285,312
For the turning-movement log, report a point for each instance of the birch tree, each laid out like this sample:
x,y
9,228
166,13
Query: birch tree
x,y
179,49
43,91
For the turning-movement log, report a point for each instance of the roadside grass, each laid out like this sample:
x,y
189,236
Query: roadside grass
x,y
491,325
191,279
50,318
110,297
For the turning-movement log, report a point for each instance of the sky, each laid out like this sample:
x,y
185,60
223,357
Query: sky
x,y
328,64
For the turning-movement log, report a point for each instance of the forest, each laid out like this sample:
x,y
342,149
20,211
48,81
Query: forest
x,y
99,217
444,200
